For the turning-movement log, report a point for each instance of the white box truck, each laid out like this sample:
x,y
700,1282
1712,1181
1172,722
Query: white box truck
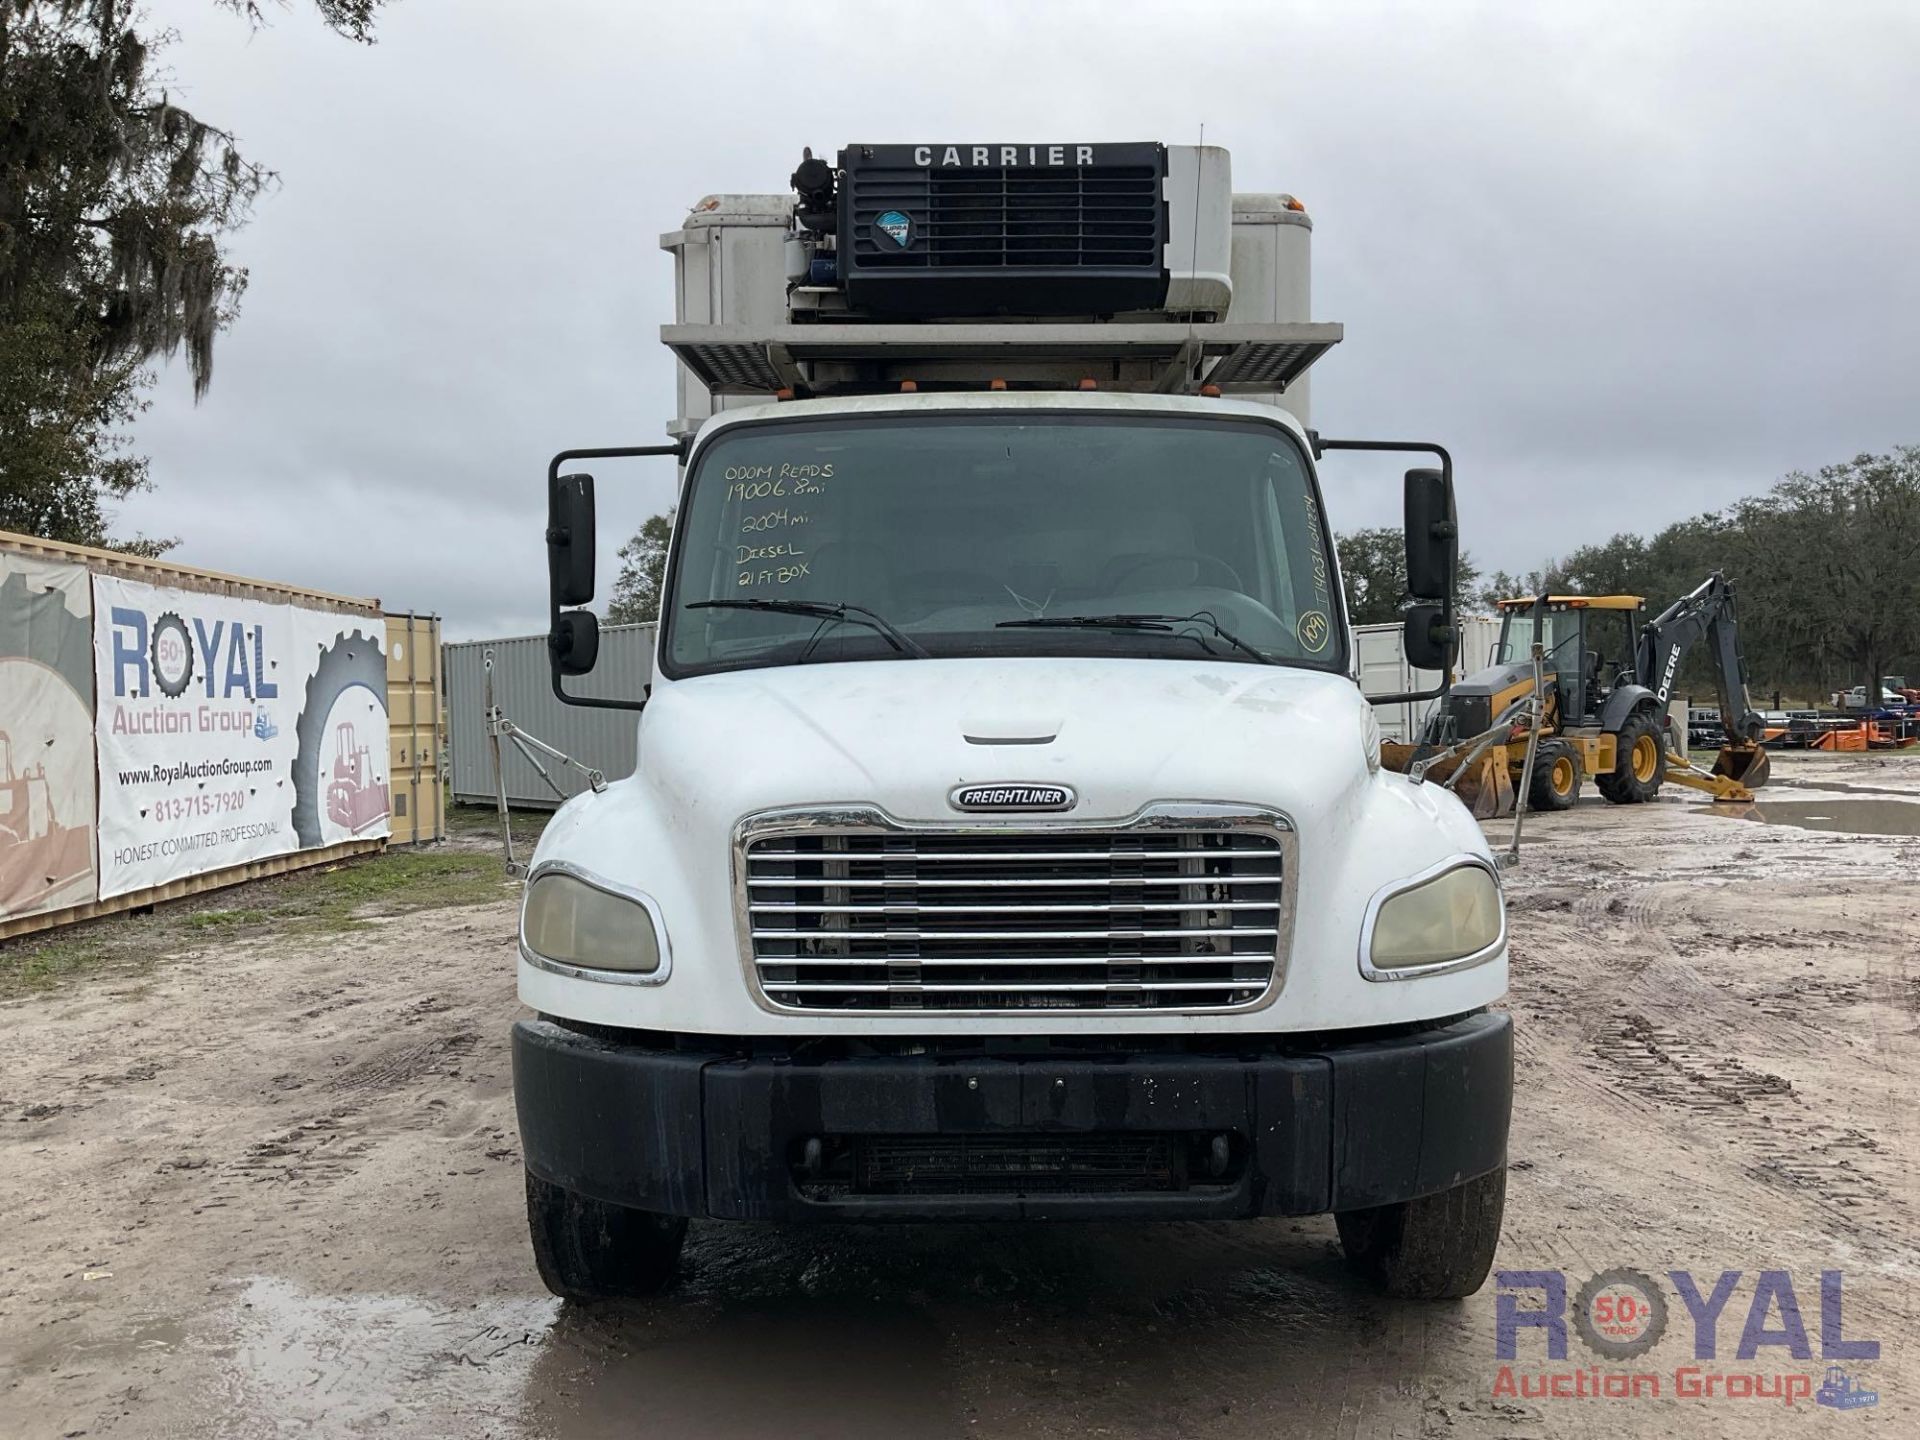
x,y
1008,837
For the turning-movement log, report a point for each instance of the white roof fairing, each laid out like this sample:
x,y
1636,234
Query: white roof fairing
x,y
1014,402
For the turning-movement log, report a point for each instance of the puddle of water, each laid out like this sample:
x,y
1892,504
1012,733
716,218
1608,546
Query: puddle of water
x,y
1853,817
1839,787
148,1337
821,1333
944,1332
798,1367
750,1366
342,1364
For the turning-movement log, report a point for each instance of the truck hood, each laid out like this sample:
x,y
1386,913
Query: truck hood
x,y
903,734
898,736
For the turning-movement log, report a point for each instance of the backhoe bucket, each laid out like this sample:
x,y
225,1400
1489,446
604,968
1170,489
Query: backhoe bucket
x,y
1487,787
1746,765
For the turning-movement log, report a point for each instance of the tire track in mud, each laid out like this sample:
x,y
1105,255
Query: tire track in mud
x,y
315,1152
1681,1069
72,1094
1570,995
1670,1068
402,1066
1660,1012
1830,1163
328,1146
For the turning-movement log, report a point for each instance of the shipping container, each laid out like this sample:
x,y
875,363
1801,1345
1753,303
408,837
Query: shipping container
x,y
167,730
523,691
416,727
1384,670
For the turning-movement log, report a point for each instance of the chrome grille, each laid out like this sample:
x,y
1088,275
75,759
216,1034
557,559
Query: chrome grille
x,y
1146,917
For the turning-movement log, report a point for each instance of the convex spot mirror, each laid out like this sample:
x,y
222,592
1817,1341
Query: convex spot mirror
x,y
1429,637
575,641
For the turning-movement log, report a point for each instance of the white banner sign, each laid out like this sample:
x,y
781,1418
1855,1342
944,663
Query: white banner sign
x,y
231,730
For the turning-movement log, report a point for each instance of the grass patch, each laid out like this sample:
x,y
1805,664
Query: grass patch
x,y
393,884
225,919
339,897
27,965
482,823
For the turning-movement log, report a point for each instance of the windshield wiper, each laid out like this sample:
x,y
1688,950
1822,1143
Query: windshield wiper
x,y
1164,623
823,610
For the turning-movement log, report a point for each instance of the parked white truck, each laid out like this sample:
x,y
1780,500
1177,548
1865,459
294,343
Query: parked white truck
x,y
1008,837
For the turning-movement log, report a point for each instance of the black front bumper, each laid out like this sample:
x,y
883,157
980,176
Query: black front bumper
x,y
1328,1126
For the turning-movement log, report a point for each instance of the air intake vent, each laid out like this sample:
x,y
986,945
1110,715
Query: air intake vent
x,y
1048,230
1016,1164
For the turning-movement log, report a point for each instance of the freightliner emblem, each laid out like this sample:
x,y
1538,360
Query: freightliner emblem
x,y
1011,797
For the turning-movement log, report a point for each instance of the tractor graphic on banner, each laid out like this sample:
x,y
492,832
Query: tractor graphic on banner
x,y
38,854
355,799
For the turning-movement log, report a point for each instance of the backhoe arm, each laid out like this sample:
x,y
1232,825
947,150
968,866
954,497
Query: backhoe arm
x,y
1737,715
1664,641
1708,612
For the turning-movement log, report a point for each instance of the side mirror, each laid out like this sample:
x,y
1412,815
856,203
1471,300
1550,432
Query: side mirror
x,y
1430,637
570,534
574,642
1433,537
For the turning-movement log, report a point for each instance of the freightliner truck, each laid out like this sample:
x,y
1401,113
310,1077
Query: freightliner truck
x,y
1008,838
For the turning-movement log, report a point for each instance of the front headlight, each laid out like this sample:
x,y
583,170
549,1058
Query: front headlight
x,y
570,922
1450,917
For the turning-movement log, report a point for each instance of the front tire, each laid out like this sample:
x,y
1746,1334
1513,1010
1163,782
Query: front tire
x,y
1439,1247
588,1250
1556,777
1640,763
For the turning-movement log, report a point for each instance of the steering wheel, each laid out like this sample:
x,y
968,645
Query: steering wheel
x,y
1128,566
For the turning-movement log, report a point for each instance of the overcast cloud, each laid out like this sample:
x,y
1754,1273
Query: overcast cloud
x,y
1628,261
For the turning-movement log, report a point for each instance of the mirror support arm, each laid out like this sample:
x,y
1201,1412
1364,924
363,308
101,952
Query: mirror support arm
x,y
1321,444
609,452
1446,683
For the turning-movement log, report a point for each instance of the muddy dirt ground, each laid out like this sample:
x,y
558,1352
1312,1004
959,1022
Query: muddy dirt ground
x,y
259,1177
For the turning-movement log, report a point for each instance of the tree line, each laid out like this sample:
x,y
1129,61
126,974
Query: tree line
x,y
1826,568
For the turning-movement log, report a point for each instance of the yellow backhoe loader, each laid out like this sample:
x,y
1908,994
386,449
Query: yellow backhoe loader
x,y
1595,707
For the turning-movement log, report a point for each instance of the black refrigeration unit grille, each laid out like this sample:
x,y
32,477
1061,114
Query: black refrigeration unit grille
x,y
1036,230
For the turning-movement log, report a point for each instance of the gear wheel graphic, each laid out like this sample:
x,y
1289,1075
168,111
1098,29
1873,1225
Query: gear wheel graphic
x,y
352,660
1621,1277
171,686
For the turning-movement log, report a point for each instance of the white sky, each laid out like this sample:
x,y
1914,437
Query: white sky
x,y
1628,261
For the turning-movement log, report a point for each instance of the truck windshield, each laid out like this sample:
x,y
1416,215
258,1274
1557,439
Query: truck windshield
x,y
948,528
